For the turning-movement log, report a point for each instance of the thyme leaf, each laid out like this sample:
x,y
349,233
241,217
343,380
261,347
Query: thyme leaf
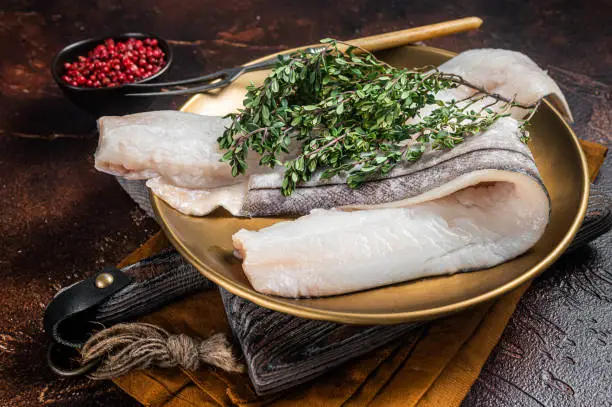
x,y
349,113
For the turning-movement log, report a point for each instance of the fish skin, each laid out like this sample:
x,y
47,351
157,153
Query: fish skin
x,y
498,148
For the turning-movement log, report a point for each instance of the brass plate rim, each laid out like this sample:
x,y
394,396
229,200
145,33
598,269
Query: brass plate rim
x,y
362,318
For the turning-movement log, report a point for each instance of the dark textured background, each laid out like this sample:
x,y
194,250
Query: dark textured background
x,y
60,220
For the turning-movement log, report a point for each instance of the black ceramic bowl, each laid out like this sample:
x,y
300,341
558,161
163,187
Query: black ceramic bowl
x,y
105,101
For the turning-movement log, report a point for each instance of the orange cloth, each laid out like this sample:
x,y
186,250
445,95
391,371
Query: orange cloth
x,y
432,366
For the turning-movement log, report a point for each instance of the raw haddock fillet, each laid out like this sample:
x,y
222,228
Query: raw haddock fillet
x,y
333,252
199,202
498,148
179,147
508,73
472,207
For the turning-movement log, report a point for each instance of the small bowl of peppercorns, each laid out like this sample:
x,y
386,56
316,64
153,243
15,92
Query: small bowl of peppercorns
x,y
95,74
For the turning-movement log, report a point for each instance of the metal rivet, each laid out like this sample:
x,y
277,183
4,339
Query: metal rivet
x,y
104,280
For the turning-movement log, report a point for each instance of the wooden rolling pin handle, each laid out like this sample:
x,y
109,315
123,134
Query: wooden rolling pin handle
x,y
410,35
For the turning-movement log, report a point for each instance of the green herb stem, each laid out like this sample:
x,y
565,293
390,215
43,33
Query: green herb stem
x,y
349,112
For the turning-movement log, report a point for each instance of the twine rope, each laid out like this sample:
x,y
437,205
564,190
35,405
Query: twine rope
x,y
123,348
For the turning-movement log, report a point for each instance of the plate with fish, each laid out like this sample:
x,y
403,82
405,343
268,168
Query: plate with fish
x,y
408,185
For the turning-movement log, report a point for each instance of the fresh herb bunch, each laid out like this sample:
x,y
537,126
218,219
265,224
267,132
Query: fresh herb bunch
x,y
349,113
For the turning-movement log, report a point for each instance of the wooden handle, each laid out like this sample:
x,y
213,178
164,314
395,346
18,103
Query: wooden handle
x,y
398,38
426,32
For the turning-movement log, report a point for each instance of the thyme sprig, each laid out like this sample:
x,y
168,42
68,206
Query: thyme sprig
x,y
351,114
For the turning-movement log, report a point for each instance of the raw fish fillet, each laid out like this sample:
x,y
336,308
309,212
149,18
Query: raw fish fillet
x,y
472,207
507,73
199,202
333,252
498,148
179,147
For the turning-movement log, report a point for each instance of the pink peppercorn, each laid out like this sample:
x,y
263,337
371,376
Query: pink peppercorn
x,y
114,63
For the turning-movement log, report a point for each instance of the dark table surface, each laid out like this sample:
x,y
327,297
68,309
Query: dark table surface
x,y
60,219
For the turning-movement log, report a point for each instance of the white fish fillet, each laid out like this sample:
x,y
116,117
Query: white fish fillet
x,y
180,147
200,202
333,252
507,73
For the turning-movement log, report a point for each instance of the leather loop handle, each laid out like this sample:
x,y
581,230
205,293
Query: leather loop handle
x,y
68,317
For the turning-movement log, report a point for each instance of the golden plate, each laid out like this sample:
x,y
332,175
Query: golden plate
x,y
206,241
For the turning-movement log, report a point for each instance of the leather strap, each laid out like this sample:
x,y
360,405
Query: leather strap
x,y
136,290
68,318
